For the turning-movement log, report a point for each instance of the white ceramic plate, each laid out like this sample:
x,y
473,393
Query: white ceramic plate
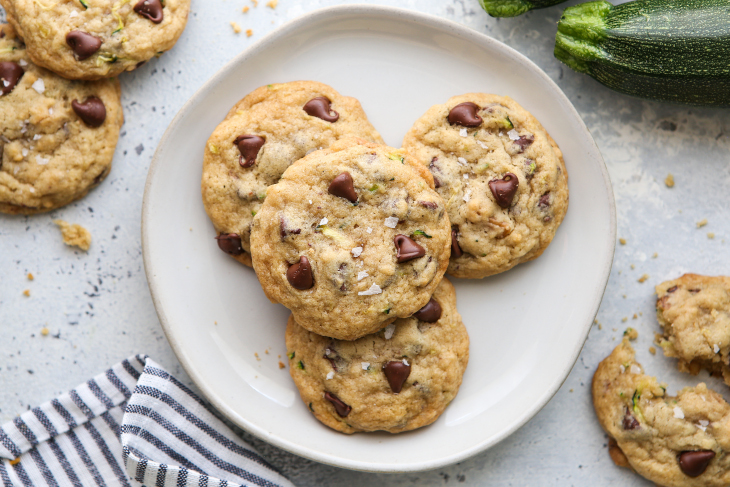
x,y
527,326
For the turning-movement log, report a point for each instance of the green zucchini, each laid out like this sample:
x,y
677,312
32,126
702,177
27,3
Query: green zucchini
x,y
668,50
513,8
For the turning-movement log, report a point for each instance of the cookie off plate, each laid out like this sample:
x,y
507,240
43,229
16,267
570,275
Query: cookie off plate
x,y
527,326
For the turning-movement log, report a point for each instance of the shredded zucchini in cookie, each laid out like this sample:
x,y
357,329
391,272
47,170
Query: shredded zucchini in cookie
x,y
115,13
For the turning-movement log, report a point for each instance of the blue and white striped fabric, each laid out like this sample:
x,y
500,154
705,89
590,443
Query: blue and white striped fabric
x,y
133,425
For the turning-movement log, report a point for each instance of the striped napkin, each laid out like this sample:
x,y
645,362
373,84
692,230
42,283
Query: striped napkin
x,y
133,425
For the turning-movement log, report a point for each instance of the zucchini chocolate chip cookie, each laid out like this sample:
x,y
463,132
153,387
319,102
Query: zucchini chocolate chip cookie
x,y
57,137
351,238
680,441
501,175
694,312
262,135
398,379
95,39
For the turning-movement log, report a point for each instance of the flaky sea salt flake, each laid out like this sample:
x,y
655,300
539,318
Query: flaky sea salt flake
x,y
513,135
461,161
323,222
391,221
463,132
678,413
374,289
39,85
365,365
389,330
715,348
42,161
356,251
362,275
330,374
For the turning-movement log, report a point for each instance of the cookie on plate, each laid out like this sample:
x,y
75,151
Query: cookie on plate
x,y
261,136
351,238
694,312
398,379
681,441
57,137
501,175
95,39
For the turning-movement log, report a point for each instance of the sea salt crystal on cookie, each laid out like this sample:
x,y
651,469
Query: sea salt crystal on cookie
x,y
356,251
362,275
635,369
374,289
678,413
513,135
463,132
365,365
461,161
39,85
391,221
330,374
42,161
715,348
389,330
323,222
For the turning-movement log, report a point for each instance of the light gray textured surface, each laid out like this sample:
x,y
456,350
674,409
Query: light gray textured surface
x,y
97,304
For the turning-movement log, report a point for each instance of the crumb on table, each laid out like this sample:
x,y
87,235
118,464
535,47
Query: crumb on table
x,y
710,235
652,350
624,320
622,241
44,331
281,364
669,181
255,3
631,334
245,9
257,356
249,32
74,235
26,293
655,255
236,28
643,278
702,223
272,3
30,276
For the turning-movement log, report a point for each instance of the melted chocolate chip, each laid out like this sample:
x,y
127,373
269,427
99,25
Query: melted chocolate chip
x,y
285,230
10,74
407,249
465,114
524,142
672,289
91,111
433,167
300,275
342,409
249,146
230,243
82,43
629,422
343,187
694,463
152,9
428,204
429,313
504,189
544,200
455,249
396,373
321,107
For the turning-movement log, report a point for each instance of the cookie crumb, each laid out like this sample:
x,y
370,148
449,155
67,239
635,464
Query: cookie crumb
x,y
281,364
255,354
255,3
30,276
266,352
15,461
631,334
669,181
74,235
249,32
623,320
246,9
652,350
702,223
236,28
633,266
634,317
600,326
44,331
272,4
570,390
643,278
710,235
622,241
26,293
655,255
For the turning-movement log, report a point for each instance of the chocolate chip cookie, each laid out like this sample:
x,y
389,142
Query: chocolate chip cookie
x,y
57,137
681,441
95,39
501,175
351,238
398,379
694,312
262,135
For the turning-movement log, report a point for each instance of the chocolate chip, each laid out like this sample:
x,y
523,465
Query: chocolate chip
x,y
284,228
91,111
10,74
455,249
429,313
83,44
525,141
465,114
672,289
694,291
407,249
342,409
321,107
343,187
249,146
230,243
504,189
694,463
299,275
396,373
432,167
544,200
152,9
428,204
629,421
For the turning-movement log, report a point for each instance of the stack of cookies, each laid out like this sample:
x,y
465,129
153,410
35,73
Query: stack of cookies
x,y
60,101
354,237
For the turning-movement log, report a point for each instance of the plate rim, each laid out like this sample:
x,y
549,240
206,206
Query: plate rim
x,y
431,21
